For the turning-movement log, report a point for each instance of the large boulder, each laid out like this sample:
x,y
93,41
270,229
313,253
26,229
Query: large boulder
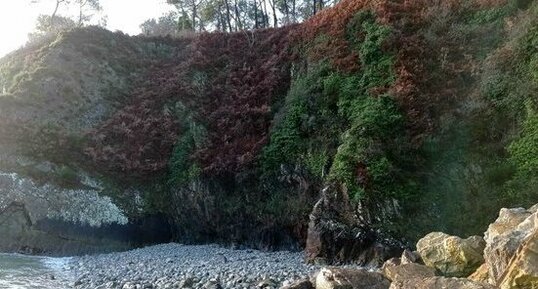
x,y
522,271
337,235
407,271
439,283
505,236
341,278
450,255
481,274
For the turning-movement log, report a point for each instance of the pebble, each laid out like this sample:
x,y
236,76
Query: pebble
x,y
171,266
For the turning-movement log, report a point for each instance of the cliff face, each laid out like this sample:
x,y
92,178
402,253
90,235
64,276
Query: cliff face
x,y
421,115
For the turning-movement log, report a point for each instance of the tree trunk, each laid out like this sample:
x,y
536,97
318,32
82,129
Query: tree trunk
x,y
287,12
194,12
265,14
256,14
275,19
238,23
228,17
294,10
58,2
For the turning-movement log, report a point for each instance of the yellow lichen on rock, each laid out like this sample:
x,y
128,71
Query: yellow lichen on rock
x,y
451,255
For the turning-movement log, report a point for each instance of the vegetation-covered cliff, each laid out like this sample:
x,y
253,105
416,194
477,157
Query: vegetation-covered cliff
x,y
421,114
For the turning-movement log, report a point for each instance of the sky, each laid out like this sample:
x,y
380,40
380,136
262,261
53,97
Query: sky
x,y
17,17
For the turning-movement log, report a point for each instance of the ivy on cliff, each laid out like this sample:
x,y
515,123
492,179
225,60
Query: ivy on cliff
x,y
325,102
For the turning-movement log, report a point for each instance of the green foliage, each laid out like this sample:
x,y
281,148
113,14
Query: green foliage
x,y
182,169
363,162
324,103
494,14
306,126
524,150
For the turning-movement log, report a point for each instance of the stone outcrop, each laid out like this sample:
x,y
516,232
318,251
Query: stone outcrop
x,y
505,236
451,255
336,235
339,278
407,271
439,283
481,274
522,271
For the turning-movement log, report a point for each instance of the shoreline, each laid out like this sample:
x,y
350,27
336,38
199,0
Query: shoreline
x,y
174,265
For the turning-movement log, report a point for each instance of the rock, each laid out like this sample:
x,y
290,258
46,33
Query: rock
x,y
267,283
506,222
522,271
451,255
407,271
186,283
439,283
301,284
391,263
336,235
481,274
505,236
410,257
340,278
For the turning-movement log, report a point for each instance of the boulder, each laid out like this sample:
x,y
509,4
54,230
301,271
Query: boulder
x,y
341,278
505,236
407,271
451,255
481,274
410,257
391,263
439,283
506,222
301,284
522,271
336,235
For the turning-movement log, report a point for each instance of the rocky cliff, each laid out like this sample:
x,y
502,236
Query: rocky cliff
x,y
384,119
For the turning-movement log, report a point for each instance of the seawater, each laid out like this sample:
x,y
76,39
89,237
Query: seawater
x,y
32,272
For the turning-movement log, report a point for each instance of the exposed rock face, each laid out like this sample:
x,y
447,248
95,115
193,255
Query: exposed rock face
x,y
439,283
410,257
335,234
338,278
199,217
407,271
523,269
505,236
481,274
451,255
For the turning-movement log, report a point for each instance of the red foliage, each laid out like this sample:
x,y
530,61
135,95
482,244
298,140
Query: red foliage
x,y
244,74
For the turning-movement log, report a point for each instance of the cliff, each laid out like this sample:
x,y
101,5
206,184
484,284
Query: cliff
x,y
415,116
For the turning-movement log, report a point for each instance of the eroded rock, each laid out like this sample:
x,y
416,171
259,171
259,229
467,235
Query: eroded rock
x,y
505,236
451,255
481,274
407,271
301,284
336,235
439,283
340,278
522,272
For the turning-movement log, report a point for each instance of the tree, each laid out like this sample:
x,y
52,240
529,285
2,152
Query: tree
x,y
50,25
85,7
191,8
169,24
